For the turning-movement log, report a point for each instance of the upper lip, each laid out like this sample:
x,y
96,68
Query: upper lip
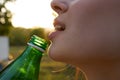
x,y
59,25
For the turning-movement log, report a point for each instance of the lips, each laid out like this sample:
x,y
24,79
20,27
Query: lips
x,y
52,35
59,27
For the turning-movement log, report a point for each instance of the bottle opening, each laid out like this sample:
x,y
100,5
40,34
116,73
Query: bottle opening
x,y
38,43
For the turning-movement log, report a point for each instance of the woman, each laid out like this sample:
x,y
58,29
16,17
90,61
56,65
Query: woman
x,y
87,35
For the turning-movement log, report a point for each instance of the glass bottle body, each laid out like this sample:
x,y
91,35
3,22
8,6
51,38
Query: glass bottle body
x,y
25,67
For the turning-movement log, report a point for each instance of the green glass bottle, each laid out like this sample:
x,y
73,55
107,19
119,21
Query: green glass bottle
x,y
27,65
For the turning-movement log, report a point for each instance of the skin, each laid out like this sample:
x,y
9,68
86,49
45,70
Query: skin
x,y
91,39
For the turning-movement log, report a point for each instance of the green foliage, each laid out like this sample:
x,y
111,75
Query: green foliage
x,y
5,18
4,30
20,36
37,31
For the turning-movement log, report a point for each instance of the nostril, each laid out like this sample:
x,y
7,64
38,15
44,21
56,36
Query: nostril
x,y
59,7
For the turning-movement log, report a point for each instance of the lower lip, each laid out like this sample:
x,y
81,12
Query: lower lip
x,y
53,35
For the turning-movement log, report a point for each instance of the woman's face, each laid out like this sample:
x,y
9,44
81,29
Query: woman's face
x,y
87,31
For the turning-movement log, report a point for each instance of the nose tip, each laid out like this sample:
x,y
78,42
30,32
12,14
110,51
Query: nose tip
x,y
59,6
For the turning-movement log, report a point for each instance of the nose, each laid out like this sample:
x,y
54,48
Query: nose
x,y
59,6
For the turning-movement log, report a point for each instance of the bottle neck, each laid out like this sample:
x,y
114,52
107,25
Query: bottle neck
x,y
32,53
25,67
34,46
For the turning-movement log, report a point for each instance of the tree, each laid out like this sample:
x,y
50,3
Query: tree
x,y
38,31
5,18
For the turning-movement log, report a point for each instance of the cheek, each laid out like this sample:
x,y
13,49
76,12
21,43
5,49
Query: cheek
x,y
73,46
77,45
64,46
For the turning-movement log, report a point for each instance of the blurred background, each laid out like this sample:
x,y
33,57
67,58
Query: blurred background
x,y
19,20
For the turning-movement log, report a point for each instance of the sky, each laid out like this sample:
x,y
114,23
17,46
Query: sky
x,y
31,13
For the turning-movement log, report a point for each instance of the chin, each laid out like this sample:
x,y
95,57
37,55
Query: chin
x,y
52,53
56,55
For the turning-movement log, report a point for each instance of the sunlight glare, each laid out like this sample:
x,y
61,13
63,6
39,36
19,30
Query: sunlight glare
x,y
31,13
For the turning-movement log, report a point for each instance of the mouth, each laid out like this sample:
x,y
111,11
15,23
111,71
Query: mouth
x,y
58,28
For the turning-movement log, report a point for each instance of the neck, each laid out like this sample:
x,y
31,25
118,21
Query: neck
x,y
109,71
